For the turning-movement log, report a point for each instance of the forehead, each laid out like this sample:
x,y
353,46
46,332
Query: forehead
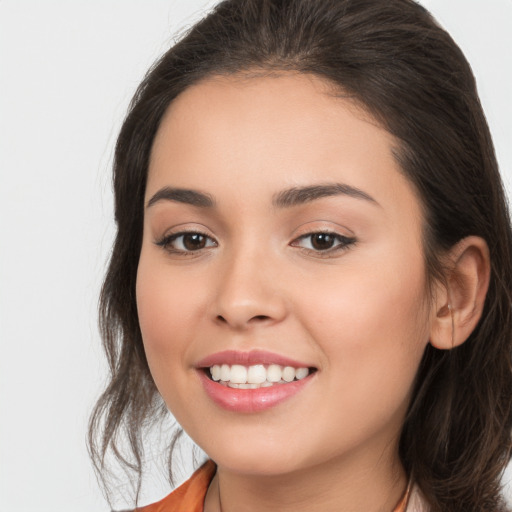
x,y
264,133
285,114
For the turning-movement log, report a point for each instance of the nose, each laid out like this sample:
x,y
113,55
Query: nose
x,y
249,292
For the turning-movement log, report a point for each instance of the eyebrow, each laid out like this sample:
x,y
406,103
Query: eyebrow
x,y
285,199
183,195
299,195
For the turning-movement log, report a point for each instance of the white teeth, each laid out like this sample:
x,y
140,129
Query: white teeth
x,y
247,386
238,374
215,370
255,376
225,372
274,373
288,374
300,373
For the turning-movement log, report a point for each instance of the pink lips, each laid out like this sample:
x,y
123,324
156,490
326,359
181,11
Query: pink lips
x,y
250,400
248,359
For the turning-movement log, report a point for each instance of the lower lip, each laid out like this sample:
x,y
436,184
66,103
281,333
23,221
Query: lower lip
x,y
251,400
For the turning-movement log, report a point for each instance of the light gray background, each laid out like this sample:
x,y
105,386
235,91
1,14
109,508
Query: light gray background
x,y
67,72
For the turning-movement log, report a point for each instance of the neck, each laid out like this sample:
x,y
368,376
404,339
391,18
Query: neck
x,y
352,483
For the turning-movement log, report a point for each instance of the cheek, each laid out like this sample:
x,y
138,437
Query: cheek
x,y
372,340
165,318
372,328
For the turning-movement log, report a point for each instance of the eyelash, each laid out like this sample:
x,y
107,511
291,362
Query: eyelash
x,y
344,243
166,242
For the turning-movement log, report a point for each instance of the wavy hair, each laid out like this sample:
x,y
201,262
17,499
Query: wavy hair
x,y
397,62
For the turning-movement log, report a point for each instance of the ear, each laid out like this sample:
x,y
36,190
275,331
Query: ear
x,y
459,301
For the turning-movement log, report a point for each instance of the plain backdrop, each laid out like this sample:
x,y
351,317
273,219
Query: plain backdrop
x,y
67,72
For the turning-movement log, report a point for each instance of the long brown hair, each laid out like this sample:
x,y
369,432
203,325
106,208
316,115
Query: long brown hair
x,y
395,60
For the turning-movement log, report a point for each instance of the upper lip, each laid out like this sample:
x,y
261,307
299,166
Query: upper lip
x,y
250,358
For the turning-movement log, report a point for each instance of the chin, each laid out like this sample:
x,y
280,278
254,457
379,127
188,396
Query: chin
x,y
257,463
257,456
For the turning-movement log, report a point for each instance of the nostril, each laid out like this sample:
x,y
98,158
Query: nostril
x,y
260,317
256,319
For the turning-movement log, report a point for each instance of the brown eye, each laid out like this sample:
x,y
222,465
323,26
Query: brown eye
x,y
322,241
186,242
194,241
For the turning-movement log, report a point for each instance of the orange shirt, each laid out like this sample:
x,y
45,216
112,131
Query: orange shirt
x,y
189,497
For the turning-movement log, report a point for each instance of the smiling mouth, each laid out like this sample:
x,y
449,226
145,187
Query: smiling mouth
x,y
256,376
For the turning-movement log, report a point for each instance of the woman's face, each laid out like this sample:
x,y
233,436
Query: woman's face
x,y
279,232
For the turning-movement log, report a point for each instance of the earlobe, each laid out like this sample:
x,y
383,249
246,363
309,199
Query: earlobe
x,y
459,305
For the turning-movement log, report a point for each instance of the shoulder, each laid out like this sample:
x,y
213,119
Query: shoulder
x,y
189,496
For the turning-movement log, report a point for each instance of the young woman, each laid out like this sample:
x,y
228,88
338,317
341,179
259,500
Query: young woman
x,y
313,265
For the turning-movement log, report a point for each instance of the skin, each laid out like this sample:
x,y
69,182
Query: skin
x,y
359,314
